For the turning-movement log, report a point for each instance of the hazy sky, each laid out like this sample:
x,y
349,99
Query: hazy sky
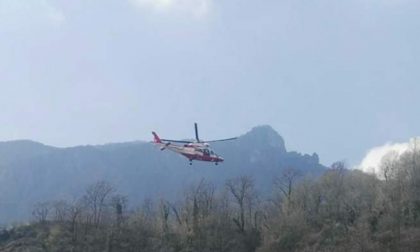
x,y
332,77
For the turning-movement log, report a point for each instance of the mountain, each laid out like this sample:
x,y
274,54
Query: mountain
x,y
22,149
31,172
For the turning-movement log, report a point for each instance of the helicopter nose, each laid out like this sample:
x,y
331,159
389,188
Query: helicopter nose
x,y
220,159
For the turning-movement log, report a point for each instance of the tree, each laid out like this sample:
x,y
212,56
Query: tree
x,y
41,211
244,194
60,210
96,200
286,181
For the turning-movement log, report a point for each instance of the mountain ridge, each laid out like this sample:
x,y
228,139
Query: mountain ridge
x,y
137,169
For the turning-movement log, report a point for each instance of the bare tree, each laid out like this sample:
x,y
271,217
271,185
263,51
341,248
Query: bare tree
x,y
60,210
164,211
388,165
119,205
96,200
41,211
286,181
75,213
333,191
243,191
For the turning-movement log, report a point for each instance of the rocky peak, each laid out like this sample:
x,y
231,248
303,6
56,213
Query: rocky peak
x,y
264,136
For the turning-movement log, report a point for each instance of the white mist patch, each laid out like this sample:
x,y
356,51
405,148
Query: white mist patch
x,y
196,8
372,161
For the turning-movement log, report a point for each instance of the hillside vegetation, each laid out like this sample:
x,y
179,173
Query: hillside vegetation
x,y
31,172
342,210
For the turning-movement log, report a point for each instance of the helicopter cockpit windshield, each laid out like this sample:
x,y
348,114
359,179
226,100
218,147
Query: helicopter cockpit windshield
x,y
206,152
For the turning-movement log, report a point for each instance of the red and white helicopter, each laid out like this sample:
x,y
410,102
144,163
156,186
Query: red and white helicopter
x,y
193,150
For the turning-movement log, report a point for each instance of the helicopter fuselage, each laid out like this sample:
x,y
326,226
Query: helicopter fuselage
x,y
193,151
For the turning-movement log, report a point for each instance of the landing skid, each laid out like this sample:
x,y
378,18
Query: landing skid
x,y
215,163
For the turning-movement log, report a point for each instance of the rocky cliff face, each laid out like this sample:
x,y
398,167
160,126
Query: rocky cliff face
x,y
31,172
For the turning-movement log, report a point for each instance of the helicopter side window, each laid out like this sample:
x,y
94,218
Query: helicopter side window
x,y
212,152
206,152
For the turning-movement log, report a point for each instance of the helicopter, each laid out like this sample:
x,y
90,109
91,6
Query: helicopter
x,y
193,150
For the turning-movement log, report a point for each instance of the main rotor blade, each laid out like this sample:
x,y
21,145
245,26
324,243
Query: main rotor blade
x,y
221,140
175,141
196,132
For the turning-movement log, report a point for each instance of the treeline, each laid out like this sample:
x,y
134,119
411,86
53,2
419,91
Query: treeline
x,y
343,210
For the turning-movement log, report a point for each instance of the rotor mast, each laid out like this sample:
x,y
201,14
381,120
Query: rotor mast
x,y
196,133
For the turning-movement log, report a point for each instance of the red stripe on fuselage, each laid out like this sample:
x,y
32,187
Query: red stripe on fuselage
x,y
202,158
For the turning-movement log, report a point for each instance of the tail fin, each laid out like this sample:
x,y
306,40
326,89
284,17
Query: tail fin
x,y
156,138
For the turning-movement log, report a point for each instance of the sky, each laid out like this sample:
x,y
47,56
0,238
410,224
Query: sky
x,y
332,77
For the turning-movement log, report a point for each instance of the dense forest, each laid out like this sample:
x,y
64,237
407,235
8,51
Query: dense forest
x,y
341,210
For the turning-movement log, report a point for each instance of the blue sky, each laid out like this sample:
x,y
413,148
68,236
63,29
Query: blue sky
x,y
332,77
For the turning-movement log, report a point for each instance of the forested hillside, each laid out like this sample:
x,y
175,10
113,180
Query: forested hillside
x,y
31,172
342,210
